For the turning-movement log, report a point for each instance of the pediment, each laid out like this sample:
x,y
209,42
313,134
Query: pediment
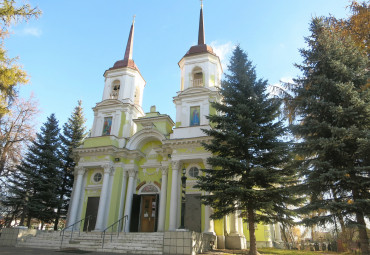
x,y
109,102
193,90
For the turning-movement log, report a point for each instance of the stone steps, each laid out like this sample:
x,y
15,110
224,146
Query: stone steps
x,y
132,243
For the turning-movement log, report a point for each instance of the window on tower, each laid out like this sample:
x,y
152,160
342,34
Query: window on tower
x,y
115,90
198,77
137,96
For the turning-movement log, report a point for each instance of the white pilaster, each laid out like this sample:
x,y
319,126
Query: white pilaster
x,y
132,174
240,226
109,195
208,222
123,194
174,197
233,224
76,195
163,199
103,198
277,233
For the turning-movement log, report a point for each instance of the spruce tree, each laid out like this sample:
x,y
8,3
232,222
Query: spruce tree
x,y
37,179
249,155
332,100
74,132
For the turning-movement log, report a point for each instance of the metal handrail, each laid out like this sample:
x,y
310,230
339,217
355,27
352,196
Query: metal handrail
x,y
118,229
88,218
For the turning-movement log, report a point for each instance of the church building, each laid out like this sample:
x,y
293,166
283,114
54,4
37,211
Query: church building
x,y
131,164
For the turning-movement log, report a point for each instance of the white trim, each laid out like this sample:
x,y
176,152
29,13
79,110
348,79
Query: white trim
x,y
142,136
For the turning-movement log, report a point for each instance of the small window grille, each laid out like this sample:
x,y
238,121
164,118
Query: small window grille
x,y
194,172
97,177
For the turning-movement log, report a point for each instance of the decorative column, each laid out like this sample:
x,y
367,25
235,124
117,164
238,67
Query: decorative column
x,y
240,226
234,240
208,222
79,171
233,224
109,195
123,194
130,189
174,195
163,199
103,198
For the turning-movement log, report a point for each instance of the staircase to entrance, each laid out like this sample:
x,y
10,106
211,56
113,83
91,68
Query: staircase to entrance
x,y
132,243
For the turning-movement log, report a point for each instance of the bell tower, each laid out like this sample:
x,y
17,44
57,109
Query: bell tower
x,y
201,72
122,97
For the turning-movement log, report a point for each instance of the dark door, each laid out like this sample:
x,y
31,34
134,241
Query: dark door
x,y
135,213
193,212
91,209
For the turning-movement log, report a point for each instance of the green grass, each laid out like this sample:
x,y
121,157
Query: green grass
x,y
272,251
268,251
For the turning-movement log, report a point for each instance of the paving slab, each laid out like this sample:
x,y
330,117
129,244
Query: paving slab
x,y
35,251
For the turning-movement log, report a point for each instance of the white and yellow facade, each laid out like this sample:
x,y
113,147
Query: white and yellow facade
x,y
133,161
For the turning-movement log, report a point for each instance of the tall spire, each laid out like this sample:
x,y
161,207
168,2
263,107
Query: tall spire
x,y
201,39
127,61
130,42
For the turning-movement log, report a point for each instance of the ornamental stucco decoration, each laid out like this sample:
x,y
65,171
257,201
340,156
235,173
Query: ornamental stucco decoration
x,y
150,188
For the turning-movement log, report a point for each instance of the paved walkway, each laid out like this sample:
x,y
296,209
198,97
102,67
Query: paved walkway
x,y
34,251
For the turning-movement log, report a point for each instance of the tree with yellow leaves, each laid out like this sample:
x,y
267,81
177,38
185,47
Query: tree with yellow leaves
x,y
11,75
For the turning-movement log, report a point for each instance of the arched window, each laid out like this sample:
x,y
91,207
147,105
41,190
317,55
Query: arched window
x,y
198,77
115,89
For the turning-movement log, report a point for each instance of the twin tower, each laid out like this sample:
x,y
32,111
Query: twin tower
x,y
124,86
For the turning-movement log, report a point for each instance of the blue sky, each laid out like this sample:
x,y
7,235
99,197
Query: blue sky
x,y
66,51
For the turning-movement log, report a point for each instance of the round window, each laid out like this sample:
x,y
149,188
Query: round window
x,y
194,171
97,177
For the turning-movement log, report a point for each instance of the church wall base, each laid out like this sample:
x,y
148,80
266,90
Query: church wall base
x,y
187,242
235,242
12,236
220,242
264,244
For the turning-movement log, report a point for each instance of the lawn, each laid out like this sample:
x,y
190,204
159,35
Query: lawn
x,y
268,251
272,251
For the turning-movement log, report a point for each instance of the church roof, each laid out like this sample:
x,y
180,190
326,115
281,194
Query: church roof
x,y
127,60
202,47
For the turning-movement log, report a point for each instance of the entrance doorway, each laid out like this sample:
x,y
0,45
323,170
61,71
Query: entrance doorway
x,y
148,214
91,209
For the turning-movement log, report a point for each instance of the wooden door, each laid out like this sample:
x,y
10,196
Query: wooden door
x,y
91,209
148,213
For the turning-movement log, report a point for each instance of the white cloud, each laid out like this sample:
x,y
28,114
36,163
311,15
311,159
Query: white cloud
x,y
275,89
223,51
286,80
29,31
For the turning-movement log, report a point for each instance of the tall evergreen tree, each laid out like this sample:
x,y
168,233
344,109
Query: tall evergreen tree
x,y
332,100
36,181
249,155
74,131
